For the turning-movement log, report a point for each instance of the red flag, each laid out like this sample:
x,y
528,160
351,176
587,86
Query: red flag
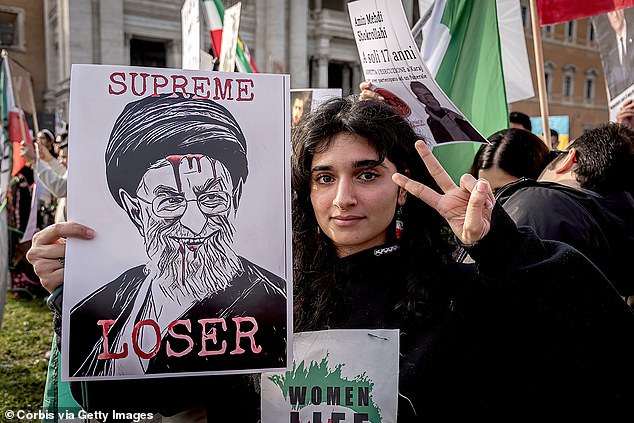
x,y
555,11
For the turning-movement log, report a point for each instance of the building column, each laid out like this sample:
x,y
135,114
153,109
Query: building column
x,y
298,43
345,80
408,7
260,37
111,32
275,36
357,72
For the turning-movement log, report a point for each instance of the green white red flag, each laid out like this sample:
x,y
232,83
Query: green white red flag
x,y
555,11
12,118
215,12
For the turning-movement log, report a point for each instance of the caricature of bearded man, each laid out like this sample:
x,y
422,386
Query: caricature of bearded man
x,y
177,164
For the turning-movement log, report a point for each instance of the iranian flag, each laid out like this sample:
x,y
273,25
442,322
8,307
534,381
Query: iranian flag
x,y
555,11
215,12
462,49
15,128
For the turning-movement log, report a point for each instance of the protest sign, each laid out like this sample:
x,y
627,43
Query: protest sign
x,y
307,99
392,63
188,272
335,377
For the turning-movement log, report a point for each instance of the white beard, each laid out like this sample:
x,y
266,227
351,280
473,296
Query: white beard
x,y
193,274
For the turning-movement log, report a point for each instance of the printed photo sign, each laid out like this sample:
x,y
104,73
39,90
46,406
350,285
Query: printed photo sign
x,y
615,36
307,99
190,270
392,63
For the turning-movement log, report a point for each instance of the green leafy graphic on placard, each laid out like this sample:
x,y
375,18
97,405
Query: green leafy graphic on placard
x,y
298,383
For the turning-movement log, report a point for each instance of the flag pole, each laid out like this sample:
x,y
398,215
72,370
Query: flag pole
x,y
539,70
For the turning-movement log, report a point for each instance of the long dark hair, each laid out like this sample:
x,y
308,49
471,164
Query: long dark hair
x,y
425,242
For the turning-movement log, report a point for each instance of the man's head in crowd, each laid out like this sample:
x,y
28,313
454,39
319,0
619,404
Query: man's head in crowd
x,y
601,160
520,120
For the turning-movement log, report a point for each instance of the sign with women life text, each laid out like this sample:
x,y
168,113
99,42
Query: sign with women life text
x,y
189,272
392,63
348,375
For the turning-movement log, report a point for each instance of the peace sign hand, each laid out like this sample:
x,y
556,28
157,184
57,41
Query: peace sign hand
x,y
467,208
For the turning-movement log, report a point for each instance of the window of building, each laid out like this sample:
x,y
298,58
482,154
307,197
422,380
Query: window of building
x,y
148,53
569,82
525,15
590,84
548,31
571,30
334,5
12,28
549,68
591,34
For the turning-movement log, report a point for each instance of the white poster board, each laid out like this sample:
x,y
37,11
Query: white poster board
x,y
392,63
303,100
348,375
190,23
228,48
190,270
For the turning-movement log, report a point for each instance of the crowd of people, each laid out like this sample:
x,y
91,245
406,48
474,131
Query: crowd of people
x,y
509,289
36,198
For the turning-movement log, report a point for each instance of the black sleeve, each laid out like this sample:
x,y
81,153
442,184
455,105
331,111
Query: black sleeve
x,y
554,318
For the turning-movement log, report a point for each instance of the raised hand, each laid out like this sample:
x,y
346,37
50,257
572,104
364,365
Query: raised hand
x,y
467,208
48,250
368,93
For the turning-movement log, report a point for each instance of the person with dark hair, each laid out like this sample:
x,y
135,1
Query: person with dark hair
x,y
520,120
371,250
509,155
554,139
584,198
301,104
370,254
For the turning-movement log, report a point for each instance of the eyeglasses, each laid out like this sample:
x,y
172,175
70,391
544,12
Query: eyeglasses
x,y
170,206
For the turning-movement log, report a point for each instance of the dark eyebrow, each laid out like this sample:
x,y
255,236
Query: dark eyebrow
x,y
164,189
207,185
361,164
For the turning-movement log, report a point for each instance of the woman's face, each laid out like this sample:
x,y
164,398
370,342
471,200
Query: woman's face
x,y
353,198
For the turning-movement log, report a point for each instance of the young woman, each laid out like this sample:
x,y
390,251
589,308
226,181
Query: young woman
x,y
528,328
533,328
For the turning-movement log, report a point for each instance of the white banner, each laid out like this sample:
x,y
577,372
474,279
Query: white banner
x,y
337,376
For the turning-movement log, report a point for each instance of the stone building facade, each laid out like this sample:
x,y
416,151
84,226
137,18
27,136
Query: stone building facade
x,y
575,83
310,39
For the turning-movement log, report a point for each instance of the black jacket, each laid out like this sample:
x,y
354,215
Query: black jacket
x,y
532,329
600,227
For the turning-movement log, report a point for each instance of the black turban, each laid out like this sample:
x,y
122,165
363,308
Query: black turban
x,y
153,128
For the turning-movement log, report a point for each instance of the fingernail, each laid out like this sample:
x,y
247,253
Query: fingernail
x,y
381,98
482,188
488,204
90,233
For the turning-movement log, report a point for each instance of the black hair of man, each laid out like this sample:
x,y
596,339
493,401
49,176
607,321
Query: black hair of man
x,y
154,128
605,159
521,119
